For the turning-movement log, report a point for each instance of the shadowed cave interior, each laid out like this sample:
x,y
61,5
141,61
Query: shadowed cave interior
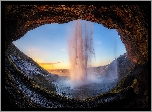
x,y
131,23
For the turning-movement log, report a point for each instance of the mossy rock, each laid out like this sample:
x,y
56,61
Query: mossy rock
x,y
41,81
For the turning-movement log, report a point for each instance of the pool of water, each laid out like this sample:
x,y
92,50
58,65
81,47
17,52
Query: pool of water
x,y
94,88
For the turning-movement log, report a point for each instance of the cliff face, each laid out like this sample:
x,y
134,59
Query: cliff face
x,y
27,86
131,22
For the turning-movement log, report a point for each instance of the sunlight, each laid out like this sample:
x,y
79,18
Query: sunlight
x,y
80,57
48,44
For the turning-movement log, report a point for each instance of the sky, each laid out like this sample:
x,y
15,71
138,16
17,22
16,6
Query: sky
x,y
47,45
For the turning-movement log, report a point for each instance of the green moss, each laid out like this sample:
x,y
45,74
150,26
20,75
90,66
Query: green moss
x,y
118,88
134,83
41,81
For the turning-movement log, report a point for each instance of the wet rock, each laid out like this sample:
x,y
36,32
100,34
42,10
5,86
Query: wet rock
x,y
131,22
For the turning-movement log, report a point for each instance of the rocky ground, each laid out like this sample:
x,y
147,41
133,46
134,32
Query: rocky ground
x,y
27,85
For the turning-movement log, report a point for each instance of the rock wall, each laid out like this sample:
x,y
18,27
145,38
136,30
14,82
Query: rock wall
x,y
131,22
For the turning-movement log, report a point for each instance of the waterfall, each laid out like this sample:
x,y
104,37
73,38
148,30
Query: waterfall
x,y
80,47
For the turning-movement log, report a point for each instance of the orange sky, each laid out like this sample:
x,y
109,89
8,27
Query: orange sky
x,y
47,45
57,65
62,65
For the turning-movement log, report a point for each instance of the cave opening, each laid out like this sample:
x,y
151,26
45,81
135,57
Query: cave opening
x,y
131,22
47,46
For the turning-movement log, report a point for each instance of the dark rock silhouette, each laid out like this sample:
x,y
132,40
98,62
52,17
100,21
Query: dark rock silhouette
x,y
131,22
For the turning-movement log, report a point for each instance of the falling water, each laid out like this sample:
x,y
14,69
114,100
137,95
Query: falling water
x,y
81,50
85,80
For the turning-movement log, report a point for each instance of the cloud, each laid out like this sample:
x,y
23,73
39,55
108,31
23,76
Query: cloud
x,y
32,49
98,42
29,49
49,63
64,50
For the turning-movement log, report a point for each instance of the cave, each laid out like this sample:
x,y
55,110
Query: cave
x,y
131,23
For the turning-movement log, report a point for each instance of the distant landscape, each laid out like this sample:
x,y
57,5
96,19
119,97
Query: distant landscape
x,y
65,72
53,82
